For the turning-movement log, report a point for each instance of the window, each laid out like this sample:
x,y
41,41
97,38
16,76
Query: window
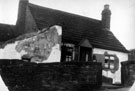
x,y
106,62
68,52
109,62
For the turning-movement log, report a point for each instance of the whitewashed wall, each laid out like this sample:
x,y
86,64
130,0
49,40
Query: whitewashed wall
x,y
122,57
10,50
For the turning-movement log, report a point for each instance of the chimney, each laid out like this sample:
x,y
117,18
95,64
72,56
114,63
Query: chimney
x,y
106,16
20,25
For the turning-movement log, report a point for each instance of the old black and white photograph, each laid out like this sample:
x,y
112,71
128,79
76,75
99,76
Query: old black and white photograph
x,y
67,45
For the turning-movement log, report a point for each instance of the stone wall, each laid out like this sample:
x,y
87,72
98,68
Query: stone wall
x,y
128,73
24,76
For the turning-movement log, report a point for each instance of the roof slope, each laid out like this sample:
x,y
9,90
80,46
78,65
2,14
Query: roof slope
x,y
75,27
6,32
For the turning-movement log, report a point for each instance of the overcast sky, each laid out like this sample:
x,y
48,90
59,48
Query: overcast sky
x,y
122,18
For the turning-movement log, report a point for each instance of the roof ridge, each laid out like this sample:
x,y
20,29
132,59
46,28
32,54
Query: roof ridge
x,y
61,11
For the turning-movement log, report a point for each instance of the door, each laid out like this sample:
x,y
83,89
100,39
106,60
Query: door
x,y
85,54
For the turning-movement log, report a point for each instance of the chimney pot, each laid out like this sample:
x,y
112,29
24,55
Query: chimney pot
x,y
106,17
106,6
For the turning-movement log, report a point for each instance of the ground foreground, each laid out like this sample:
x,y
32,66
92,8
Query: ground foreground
x,y
120,89
107,87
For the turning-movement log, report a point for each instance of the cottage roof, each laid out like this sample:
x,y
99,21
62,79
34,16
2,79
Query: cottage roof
x,y
76,27
6,32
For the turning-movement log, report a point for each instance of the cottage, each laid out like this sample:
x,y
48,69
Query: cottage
x,y
83,39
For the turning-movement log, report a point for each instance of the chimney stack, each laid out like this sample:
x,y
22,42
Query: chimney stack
x,y
22,8
106,16
20,25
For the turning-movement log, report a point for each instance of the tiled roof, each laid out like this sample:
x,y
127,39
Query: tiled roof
x,y
6,32
76,27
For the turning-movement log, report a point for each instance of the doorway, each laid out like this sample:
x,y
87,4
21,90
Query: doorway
x,y
85,54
